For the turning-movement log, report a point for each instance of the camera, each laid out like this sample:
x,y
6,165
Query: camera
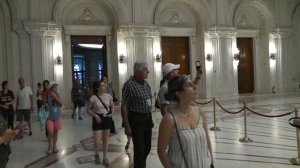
x,y
198,65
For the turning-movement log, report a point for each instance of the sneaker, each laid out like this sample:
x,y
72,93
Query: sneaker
x,y
49,152
105,162
97,159
80,118
55,150
30,133
127,146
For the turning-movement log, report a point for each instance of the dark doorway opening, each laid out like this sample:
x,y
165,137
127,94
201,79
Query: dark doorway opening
x,y
245,66
176,50
88,58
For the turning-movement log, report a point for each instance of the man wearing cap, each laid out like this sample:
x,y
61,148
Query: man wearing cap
x,y
169,72
24,104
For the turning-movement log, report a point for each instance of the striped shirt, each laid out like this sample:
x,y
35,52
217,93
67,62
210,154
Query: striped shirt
x,y
194,146
137,96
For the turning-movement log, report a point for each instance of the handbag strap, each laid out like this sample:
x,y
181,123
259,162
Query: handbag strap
x,y
185,161
102,103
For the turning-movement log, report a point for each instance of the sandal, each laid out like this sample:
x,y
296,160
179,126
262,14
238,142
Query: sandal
x,y
127,146
49,152
97,159
55,150
105,162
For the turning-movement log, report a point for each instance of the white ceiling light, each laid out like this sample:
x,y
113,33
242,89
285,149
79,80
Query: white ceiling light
x,y
98,46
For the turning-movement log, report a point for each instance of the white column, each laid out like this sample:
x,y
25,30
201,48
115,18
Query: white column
x,y
49,57
223,80
67,71
37,54
139,43
283,73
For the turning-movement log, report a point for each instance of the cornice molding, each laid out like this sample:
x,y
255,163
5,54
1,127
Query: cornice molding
x,y
41,28
138,30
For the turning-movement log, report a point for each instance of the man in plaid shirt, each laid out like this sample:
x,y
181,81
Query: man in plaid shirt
x,y
136,113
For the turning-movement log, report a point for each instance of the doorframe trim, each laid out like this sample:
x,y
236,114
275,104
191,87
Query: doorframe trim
x,y
88,30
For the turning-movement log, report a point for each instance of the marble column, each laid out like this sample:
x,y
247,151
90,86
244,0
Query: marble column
x,y
139,45
37,54
224,78
283,76
67,71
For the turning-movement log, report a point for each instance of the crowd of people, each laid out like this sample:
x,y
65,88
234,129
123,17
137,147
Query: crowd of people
x,y
183,139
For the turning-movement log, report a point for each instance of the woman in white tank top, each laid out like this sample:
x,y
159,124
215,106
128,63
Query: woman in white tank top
x,y
189,144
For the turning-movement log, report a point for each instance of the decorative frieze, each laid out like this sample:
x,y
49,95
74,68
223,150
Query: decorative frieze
x,y
140,30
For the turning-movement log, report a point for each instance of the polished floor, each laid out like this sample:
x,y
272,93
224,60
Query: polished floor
x,y
274,140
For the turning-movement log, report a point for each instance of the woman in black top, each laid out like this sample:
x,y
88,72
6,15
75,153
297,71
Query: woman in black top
x,y
6,104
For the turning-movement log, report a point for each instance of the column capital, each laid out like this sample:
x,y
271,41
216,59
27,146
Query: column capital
x,y
41,29
283,32
138,30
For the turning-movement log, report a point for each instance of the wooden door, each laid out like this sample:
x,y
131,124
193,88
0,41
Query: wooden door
x,y
176,50
245,66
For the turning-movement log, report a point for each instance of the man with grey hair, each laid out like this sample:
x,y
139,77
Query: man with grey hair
x,y
136,113
24,103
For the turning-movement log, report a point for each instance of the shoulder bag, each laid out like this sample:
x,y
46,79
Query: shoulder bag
x,y
113,128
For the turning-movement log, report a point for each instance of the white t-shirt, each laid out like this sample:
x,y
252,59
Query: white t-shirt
x,y
23,97
161,93
98,106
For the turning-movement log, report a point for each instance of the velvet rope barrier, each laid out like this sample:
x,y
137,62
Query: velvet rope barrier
x,y
215,128
203,103
270,116
245,139
230,112
296,160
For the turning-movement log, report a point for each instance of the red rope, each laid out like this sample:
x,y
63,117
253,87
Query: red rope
x,y
230,112
271,116
203,103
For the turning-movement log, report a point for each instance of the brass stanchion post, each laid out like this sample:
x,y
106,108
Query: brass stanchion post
x,y
215,128
245,139
296,160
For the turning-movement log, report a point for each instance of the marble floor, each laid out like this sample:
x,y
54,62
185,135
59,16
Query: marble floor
x,y
274,140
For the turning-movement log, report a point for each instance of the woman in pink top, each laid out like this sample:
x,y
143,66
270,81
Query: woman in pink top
x,y
101,108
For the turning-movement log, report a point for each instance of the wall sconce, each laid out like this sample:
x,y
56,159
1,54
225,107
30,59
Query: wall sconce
x,y
209,57
272,56
236,57
58,60
158,57
122,58
236,54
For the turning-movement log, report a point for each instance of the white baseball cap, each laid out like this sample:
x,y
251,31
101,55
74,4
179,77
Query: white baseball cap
x,y
168,67
52,84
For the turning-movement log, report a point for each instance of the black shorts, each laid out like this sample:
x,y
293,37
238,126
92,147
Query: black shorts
x,y
105,123
23,114
39,104
78,103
